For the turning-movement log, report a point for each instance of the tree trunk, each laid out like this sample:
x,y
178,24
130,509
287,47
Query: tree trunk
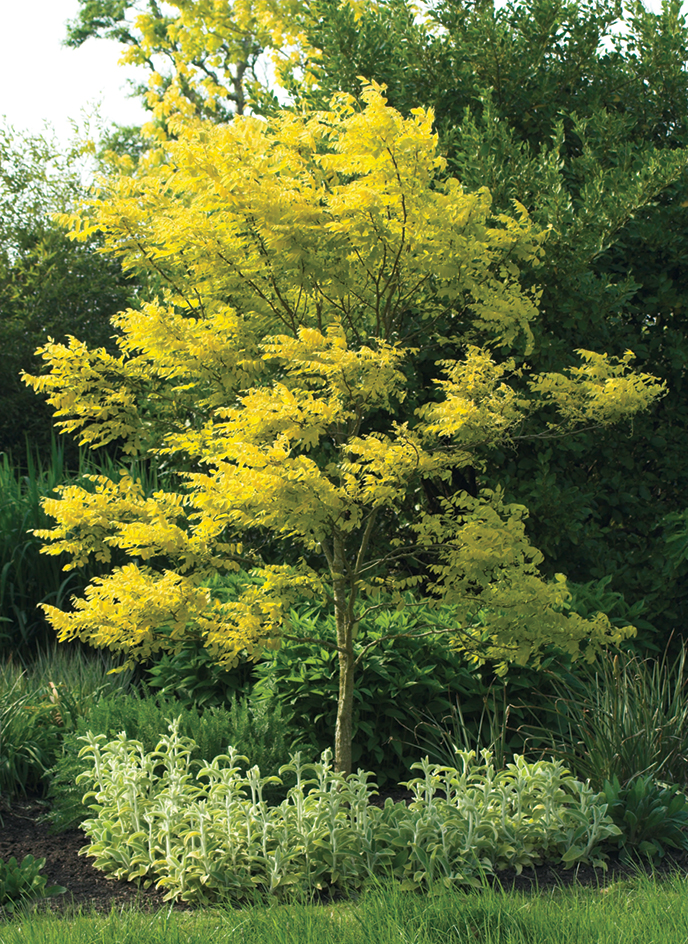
x,y
343,735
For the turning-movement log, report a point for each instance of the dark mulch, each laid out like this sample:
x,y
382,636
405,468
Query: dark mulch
x,y
22,833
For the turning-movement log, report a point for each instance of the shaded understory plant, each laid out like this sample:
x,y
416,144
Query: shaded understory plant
x,y
22,883
190,673
213,835
651,817
405,691
252,727
30,723
42,703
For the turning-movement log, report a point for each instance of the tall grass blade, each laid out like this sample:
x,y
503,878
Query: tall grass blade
x,y
630,719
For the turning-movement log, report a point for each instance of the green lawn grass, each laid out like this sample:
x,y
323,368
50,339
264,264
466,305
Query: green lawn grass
x,y
642,910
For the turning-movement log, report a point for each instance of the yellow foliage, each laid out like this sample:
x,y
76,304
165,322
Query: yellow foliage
x,y
319,219
478,405
209,43
484,562
601,390
307,259
133,610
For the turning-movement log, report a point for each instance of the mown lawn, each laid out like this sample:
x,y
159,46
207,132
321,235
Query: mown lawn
x,y
642,910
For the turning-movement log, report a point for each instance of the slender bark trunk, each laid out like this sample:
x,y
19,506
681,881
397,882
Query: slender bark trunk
x,y
343,736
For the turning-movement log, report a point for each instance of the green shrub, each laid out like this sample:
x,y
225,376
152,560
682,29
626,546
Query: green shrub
x,y
408,691
23,883
412,695
588,599
258,728
192,677
213,835
650,817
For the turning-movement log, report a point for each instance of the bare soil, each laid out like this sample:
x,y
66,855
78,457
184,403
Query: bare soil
x,y
22,832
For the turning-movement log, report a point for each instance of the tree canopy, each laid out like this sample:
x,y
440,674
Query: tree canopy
x,y
307,261
577,109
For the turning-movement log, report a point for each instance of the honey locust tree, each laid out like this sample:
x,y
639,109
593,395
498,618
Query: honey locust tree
x,y
202,57
307,258
576,108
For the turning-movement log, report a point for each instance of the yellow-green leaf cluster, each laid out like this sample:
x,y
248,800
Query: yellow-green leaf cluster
x,y
210,49
305,221
478,405
601,390
486,567
306,259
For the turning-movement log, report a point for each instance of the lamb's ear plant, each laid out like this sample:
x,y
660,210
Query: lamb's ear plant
x,y
213,835
22,883
255,727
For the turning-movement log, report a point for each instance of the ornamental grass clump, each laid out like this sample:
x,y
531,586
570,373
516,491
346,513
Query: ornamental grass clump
x,y
212,835
626,718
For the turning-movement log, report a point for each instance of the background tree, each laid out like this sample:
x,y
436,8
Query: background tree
x,y
306,259
50,286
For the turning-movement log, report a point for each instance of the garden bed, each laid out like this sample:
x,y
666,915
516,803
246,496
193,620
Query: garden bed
x,y
25,833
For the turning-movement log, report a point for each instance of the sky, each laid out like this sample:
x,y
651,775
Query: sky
x,y
42,81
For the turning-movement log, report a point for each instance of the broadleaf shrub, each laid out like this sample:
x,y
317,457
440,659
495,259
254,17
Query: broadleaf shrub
x,y
190,673
406,690
192,677
651,816
214,835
